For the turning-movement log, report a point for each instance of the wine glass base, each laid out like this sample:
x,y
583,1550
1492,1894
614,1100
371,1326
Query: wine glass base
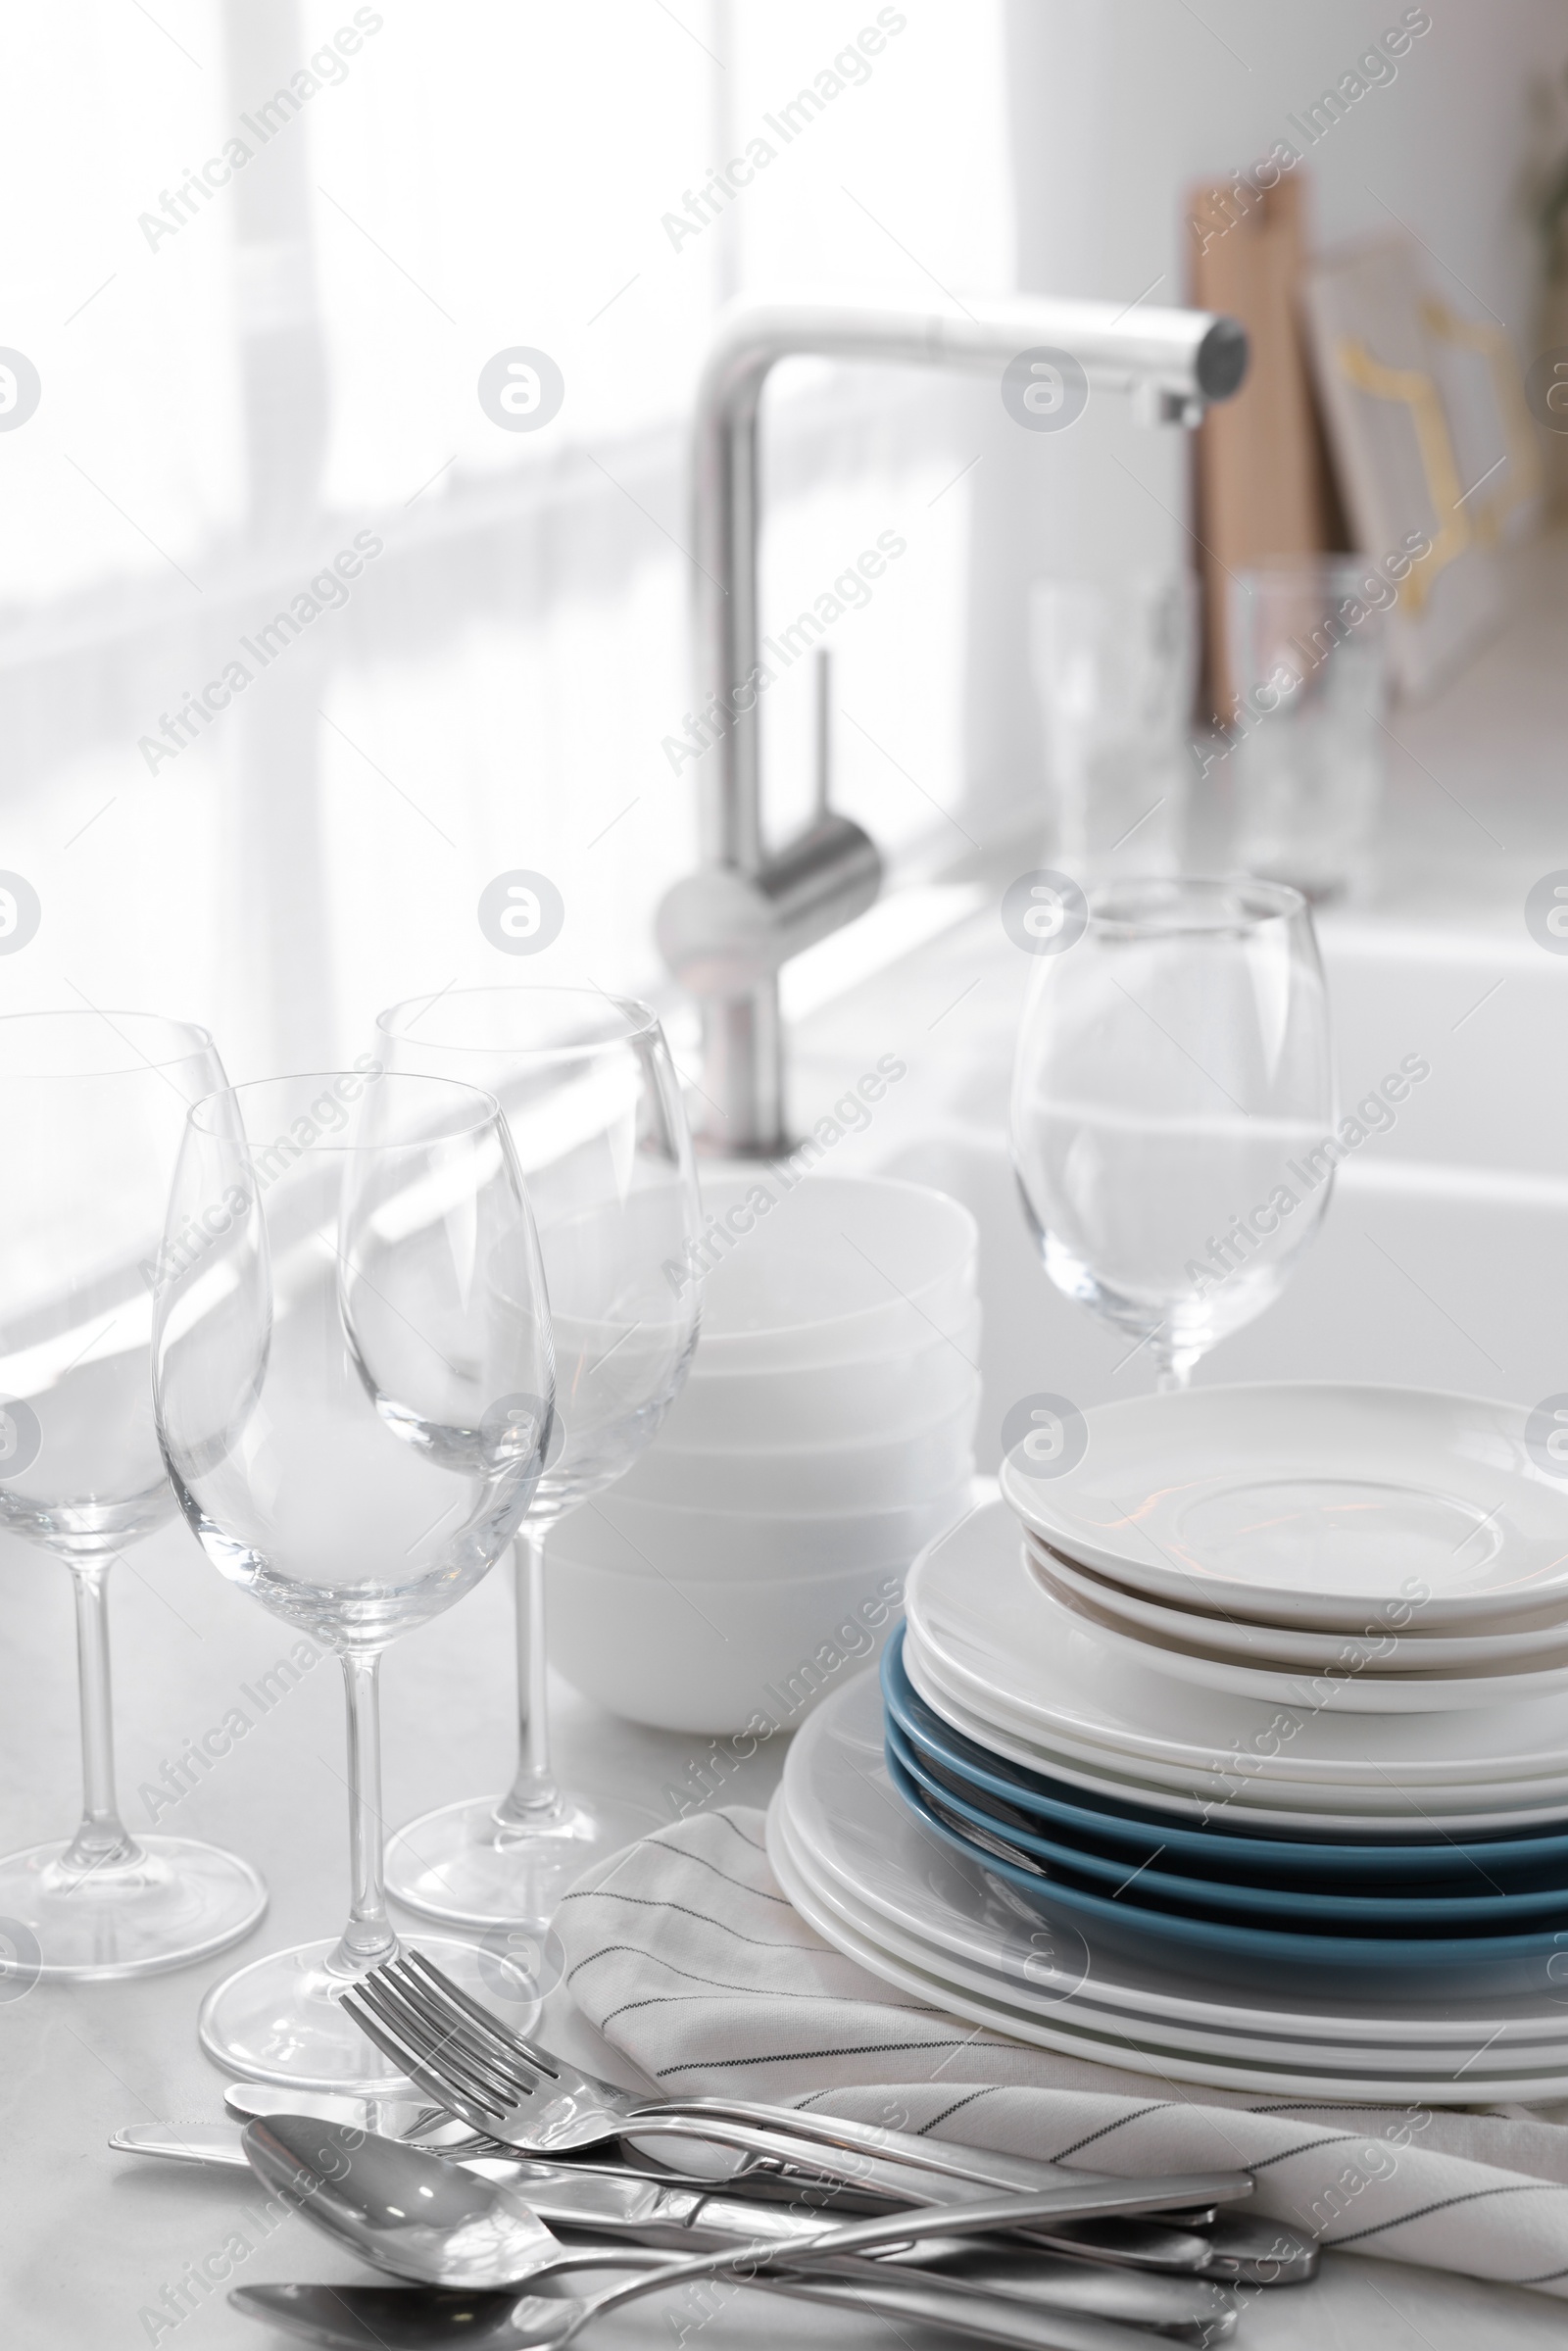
x,y
281,2019
462,1866
177,1901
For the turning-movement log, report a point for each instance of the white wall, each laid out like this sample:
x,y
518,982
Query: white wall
x,y
1117,105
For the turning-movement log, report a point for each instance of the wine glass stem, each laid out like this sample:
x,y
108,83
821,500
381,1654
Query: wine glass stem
x,y
1169,1377
102,1837
368,1939
533,1796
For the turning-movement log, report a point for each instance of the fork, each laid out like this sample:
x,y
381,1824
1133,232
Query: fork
x,y
526,2096
456,2051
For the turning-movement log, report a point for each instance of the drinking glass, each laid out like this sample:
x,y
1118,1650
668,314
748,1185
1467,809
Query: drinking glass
x,y
1114,668
96,1104
1173,1108
594,1106
1310,653
353,1386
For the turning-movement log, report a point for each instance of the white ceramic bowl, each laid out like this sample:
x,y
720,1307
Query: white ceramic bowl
x,y
838,1268
748,1659
853,1477
831,1404
628,1538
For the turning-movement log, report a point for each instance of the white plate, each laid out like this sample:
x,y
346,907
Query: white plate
x,y
1490,1805
850,1832
859,1837
1383,1793
1002,1640
1341,1689
1337,2080
1334,1814
1284,1646
1307,1505
1105,2034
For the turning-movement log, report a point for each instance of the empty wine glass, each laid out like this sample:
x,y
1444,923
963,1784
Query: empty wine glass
x,y
95,1105
353,1386
594,1106
1173,1106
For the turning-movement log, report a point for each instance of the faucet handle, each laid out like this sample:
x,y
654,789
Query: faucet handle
x,y
723,932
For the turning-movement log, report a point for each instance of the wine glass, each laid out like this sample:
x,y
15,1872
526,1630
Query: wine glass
x,y
353,1383
1173,1105
594,1106
95,1105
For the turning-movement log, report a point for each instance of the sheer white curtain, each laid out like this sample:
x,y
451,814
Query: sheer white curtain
x,y
259,257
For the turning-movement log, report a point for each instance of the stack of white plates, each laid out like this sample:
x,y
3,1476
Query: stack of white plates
x,y
756,1552
883,1881
1249,1751
1230,1556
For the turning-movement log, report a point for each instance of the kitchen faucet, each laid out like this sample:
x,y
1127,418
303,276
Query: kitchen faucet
x,y
726,930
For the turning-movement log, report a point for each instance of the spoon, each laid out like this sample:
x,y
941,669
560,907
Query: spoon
x,y
423,2217
1153,2246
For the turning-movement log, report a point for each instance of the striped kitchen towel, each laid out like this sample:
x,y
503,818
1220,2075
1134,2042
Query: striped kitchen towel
x,y
686,1955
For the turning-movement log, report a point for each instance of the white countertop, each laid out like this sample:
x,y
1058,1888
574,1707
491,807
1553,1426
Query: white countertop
x,y
89,2239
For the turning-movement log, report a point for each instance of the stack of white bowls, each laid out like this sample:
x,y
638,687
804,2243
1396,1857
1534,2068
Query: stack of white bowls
x,y
754,1556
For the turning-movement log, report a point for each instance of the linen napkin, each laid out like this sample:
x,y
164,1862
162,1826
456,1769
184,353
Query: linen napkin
x,y
686,1955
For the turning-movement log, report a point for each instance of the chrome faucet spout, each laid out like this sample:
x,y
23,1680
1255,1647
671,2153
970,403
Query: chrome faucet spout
x,y
728,931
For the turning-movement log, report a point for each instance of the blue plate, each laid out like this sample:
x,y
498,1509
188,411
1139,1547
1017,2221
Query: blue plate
x,y
1466,1965
1096,1824
1311,1910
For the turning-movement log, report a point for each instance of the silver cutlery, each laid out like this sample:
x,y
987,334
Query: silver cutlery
x,y
1232,2246
464,2057
534,2102
403,2318
620,2204
439,2222
1252,2250
1143,2245
428,2126
393,2318
392,2118
222,2143
181,2142
516,2092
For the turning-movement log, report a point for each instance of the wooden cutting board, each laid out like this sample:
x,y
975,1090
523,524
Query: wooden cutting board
x,y
1263,483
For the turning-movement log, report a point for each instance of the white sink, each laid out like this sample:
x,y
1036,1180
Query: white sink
x,y
1443,1258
